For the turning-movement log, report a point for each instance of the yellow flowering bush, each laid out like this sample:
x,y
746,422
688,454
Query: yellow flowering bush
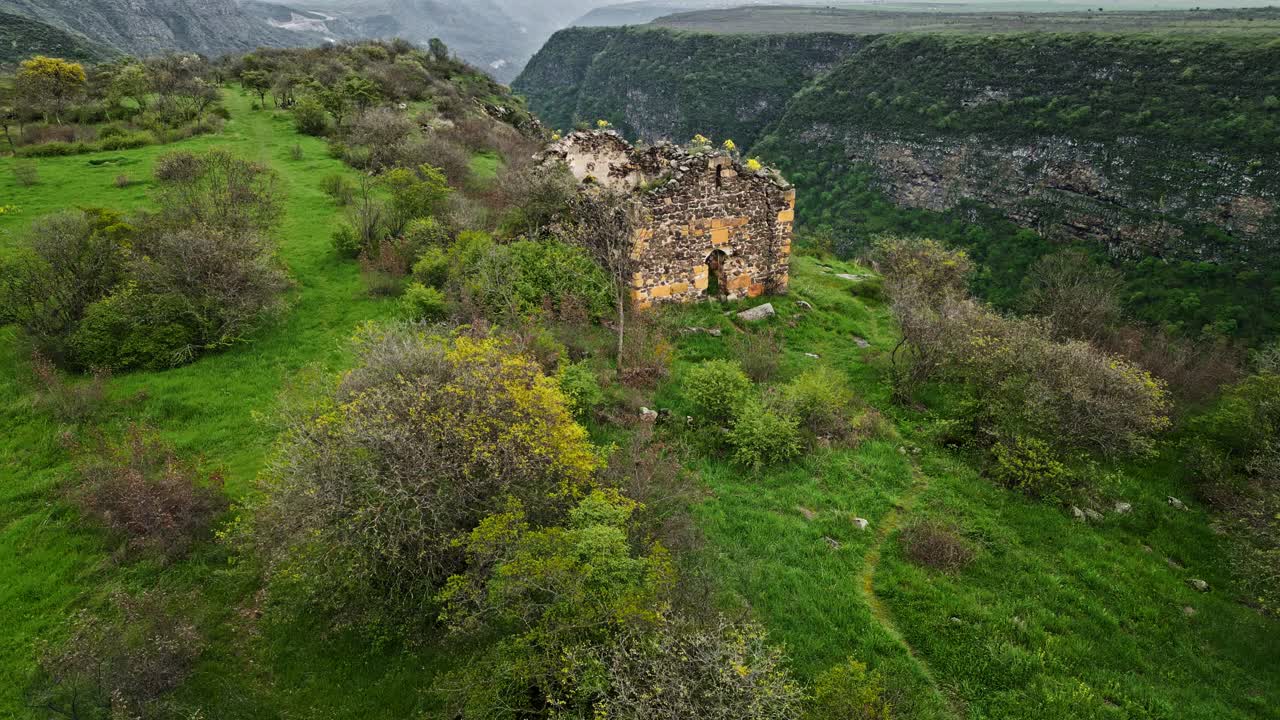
x,y
754,165
370,491
730,146
604,124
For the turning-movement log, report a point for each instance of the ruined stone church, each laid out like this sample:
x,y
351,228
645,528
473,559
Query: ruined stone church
x,y
709,226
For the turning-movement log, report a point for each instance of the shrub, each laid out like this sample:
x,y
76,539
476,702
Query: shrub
x,y
338,187
119,666
139,489
420,303
682,671
1030,466
227,280
123,181
217,189
1080,296
414,194
922,264
380,134
821,399
346,242
646,353
848,692
761,437
580,387
432,268
68,401
1068,393
935,546
525,278
757,353
177,167
428,435
132,329
717,389
422,234
26,173
309,117
69,261
295,152
583,627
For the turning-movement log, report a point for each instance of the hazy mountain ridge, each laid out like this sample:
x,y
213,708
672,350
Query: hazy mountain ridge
x,y
21,37
147,27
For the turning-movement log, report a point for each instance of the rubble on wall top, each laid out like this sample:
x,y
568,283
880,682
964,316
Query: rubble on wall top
x,y
663,159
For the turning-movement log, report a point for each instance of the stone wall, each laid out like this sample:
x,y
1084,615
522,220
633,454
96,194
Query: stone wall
x,y
707,223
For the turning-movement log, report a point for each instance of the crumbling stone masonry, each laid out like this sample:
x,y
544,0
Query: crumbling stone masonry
x,y
708,225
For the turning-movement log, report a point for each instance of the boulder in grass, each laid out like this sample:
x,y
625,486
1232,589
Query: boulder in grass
x,y
756,314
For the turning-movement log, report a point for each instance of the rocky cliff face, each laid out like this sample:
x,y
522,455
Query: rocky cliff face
x,y
656,84
1154,146
148,27
1070,190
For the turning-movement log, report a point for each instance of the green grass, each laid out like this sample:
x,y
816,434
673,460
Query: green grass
x,y
1053,619
210,408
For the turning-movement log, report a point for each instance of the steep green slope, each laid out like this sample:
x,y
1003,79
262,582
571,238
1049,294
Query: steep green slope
x,y
1156,145
22,37
660,84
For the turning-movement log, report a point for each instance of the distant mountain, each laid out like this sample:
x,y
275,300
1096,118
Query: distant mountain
x,y
22,37
498,36
146,27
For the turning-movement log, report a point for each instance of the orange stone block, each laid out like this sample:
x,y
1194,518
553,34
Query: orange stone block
x,y
660,291
787,216
740,282
678,288
720,236
756,290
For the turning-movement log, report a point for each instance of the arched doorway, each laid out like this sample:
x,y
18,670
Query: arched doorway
x,y
717,282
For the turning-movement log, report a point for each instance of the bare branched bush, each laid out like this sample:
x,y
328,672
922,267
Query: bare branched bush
x,y
69,401
141,490
1080,297
1068,393
229,279
383,132
217,189
935,546
122,666
758,353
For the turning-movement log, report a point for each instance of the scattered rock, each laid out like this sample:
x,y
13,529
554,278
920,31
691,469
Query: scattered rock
x,y
1077,513
861,342
647,415
1173,563
1093,515
861,523
806,512
835,544
1189,611
1147,549
803,305
1176,504
1198,585
902,450
852,278
1123,508
956,621
758,313
815,356
713,332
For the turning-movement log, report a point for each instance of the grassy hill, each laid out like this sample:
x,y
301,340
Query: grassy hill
x,y
22,37
1053,619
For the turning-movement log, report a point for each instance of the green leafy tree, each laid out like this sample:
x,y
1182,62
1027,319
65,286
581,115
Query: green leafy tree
x,y
258,82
